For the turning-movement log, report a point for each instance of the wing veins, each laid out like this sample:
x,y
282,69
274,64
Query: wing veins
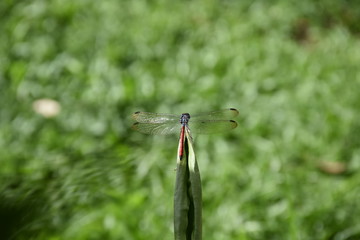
x,y
156,128
147,117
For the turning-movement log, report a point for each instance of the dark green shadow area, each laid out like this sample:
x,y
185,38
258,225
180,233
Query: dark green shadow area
x,y
22,211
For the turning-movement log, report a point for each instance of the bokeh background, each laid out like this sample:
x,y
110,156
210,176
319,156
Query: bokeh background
x,y
73,71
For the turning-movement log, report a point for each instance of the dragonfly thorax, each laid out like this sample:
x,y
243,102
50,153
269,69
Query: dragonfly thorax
x,y
184,119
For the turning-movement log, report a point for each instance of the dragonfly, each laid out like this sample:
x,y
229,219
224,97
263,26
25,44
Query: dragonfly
x,y
201,123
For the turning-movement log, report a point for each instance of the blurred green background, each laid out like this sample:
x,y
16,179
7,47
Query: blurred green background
x,y
289,171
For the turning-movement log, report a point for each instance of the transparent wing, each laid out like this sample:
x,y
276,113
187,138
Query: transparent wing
x,y
216,115
147,117
157,128
211,126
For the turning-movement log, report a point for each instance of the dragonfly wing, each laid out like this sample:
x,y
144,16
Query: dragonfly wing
x,y
211,126
216,115
147,117
157,128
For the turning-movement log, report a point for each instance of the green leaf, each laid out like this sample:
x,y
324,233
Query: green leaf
x,y
187,199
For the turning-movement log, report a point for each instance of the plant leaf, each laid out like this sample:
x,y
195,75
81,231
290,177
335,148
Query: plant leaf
x,y
187,198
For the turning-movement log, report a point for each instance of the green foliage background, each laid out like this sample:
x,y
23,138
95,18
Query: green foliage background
x,y
290,67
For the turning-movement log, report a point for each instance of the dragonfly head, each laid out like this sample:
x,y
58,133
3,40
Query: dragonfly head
x,y
184,119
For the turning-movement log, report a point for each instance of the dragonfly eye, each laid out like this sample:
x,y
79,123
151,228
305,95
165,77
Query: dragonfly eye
x,y
184,118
